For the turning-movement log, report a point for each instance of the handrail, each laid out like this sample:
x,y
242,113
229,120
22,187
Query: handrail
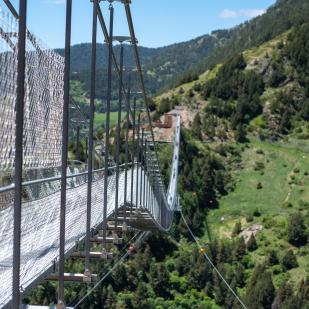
x,y
57,178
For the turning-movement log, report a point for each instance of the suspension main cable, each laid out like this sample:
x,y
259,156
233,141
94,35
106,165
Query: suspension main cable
x,y
12,9
107,39
211,263
139,68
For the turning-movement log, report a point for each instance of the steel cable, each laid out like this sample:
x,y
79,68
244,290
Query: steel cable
x,y
211,263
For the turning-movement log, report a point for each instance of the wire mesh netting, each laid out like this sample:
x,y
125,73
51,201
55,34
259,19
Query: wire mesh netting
x,y
43,99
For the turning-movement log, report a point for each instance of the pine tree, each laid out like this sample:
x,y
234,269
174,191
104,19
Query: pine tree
x,y
224,254
110,298
297,230
239,274
240,134
261,291
240,249
140,299
159,278
120,277
252,244
200,274
197,127
289,260
285,123
273,258
283,294
303,294
236,229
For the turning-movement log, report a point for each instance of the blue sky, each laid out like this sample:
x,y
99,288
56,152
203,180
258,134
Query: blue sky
x,y
157,22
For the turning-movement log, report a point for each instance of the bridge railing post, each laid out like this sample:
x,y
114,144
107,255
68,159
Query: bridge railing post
x,y
90,136
118,141
64,158
133,154
18,169
137,160
107,123
127,145
144,165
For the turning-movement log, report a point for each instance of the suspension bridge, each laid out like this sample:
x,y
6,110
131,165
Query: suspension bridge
x,y
50,208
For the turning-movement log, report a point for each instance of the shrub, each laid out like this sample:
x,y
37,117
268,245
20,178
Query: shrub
x,y
297,235
277,269
190,93
259,186
251,244
259,166
236,229
249,218
256,213
289,261
303,205
181,91
273,258
197,87
287,205
303,136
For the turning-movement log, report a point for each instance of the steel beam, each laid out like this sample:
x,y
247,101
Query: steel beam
x,y
18,169
64,158
90,136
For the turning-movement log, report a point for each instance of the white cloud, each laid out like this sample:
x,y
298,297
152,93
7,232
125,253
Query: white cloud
x,y
55,1
249,13
228,14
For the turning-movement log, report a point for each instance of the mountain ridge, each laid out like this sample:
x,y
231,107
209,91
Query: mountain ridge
x,y
170,65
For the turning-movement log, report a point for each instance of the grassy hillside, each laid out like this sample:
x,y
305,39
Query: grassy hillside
x,y
283,174
100,119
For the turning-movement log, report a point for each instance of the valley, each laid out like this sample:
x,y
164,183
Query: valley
x,y
243,95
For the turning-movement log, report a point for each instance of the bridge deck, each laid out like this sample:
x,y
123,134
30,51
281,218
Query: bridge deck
x,y
40,229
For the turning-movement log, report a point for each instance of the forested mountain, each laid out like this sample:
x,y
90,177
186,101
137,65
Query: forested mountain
x,y
181,62
160,65
279,18
244,178
264,89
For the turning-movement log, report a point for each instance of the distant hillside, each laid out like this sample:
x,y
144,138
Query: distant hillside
x,y
160,65
279,18
81,55
263,90
244,178
177,63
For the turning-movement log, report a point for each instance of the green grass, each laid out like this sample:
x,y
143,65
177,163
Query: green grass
x,y
100,118
279,162
284,186
267,47
258,122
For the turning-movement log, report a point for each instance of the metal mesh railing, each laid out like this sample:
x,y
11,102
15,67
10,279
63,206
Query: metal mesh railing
x,y
43,99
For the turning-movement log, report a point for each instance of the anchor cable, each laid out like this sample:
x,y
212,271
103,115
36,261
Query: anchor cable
x,y
211,263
